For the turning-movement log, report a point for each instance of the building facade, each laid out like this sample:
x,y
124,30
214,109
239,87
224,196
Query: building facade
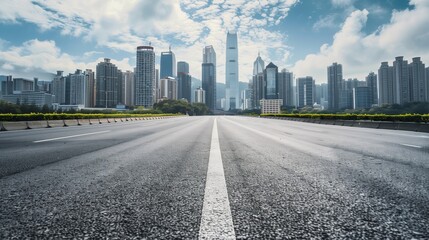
x,y
168,64
108,85
209,84
271,82
306,91
184,81
145,85
285,83
335,78
371,83
232,91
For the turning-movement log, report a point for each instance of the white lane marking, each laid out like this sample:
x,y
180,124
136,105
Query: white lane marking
x,y
216,219
73,136
409,145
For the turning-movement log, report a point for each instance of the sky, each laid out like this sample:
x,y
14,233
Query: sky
x,y
39,37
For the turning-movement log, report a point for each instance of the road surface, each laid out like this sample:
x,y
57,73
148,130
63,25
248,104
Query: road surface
x,y
214,177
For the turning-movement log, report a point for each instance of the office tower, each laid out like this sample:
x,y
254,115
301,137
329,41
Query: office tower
x,y
128,88
362,97
108,85
418,85
78,88
385,84
257,82
90,88
168,64
145,77
209,84
285,83
168,88
200,95
271,82
401,80
335,78
371,83
209,55
184,81
232,92
6,85
306,91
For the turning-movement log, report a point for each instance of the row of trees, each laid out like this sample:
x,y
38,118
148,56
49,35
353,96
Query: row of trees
x,y
166,106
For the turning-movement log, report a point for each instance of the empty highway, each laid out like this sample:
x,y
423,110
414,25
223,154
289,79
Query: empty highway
x,y
222,177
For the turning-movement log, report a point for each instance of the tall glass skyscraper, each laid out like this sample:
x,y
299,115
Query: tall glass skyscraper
x,y
168,64
184,81
145,77
232,91
271,81
335,80
209,76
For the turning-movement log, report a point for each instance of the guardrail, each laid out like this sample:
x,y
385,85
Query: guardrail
x,y
407,126
22,125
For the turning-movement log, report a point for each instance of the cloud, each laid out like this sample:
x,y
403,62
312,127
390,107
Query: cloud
x,y
342,3
37,58
405,35
188,25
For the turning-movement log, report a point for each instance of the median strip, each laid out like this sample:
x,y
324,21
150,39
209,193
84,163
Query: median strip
x,y
73,136
216,219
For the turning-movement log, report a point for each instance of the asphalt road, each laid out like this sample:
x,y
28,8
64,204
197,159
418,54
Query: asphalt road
x,y
199,177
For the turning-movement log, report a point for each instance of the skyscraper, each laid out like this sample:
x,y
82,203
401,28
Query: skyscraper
x,y
145,77
6,85
306,91
285,83
184,81
108,85
78,88
168,64
385,84
128,88
401,81
232,91
271,82
371,83
257,82
90,88
59,88
208,77
209,84
417,80
335,79
168,88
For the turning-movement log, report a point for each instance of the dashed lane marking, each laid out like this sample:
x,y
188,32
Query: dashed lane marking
x,y
73,136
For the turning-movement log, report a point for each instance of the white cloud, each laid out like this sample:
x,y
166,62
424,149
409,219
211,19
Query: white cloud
x,y
405,35
342,3
37,58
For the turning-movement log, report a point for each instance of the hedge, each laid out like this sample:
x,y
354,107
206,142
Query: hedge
x,y
367,117
9,117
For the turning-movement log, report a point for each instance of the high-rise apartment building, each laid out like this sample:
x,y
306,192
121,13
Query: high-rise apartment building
x,y
418,84
90,88
78,88
401,81
285,83
371,83
306,91
200,95
145,91
108,85
168,64
361,97
232,91
257,83
271,81
184,81
385,84
59,88
335,79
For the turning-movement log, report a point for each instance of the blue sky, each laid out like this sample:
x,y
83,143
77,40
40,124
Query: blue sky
x,y
305,36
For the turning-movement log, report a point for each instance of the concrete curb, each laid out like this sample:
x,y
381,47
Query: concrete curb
x,y
405,126
10,126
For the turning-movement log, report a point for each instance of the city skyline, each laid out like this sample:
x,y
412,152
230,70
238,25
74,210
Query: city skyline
x,y
359,34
